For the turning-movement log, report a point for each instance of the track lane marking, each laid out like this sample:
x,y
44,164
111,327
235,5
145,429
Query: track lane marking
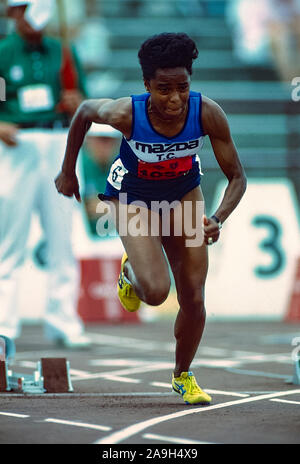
x,y
12,414
256,373
147,367
226,393
286,401
117,378
233,357
208,390
104,428
152,436
83,395
127,432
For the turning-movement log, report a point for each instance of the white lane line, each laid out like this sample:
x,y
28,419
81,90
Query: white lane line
x,y
129,342
247,356
217,363
78,424
161,384
256,373
152,436
226,393
286,401
12,414
123,434
117,362
79,373
211,351
147,367
117,378
208,390
84,395
232,358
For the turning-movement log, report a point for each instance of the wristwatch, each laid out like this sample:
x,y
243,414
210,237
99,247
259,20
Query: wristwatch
x,y
215,218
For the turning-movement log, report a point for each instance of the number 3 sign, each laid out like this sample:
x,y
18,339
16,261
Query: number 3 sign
x,y
252,267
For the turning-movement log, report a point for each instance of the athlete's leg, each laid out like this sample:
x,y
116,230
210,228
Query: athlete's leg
x,y
146,267
189,265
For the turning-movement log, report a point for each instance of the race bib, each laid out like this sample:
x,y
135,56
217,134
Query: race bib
x,y
36,98
116,174
163,170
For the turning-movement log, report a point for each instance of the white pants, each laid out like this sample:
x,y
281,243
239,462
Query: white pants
x,y
27,174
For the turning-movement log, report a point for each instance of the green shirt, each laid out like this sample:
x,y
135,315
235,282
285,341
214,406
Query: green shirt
x,y
94,176
33,81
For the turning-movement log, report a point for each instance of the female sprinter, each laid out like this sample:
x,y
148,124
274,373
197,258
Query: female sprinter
x,y
163,132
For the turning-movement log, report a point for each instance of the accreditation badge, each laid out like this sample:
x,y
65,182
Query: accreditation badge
x,y
37,97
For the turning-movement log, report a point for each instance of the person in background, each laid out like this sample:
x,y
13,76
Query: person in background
x,y
267,32
100,147
247,22
42,95
283,24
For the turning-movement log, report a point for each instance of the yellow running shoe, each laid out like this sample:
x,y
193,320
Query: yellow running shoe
x,y
186,386
129,300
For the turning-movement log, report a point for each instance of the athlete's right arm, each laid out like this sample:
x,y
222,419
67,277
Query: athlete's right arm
x,y
116,113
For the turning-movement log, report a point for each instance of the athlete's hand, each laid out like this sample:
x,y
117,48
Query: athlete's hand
x,y
70,100
8,132
211,230
68,185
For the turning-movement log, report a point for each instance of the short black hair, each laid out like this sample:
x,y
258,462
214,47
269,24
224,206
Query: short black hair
x,y
167,50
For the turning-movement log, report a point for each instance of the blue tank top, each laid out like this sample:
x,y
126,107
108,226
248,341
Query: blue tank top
x,y
150,155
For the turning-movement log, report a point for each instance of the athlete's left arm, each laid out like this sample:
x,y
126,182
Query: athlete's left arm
x,y
216,126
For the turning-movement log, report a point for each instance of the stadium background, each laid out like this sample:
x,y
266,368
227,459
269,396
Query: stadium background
x,y
253,268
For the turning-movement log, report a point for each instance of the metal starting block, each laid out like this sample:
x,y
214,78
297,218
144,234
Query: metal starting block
x,y
51,376
296,375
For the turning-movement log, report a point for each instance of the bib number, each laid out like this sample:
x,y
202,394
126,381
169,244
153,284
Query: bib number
x,y
163,170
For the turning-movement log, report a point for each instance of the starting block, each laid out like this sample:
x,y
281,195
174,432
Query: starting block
x,y
295,380
7,349
52,375
296,376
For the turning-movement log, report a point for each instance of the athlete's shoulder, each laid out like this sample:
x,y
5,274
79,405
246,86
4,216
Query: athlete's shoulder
x,y
118,113
210,106
122,106
214,119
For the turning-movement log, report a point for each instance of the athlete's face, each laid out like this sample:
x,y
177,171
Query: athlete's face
x,y
169,92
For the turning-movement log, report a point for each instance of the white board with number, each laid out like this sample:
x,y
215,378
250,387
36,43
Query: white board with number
x,y
252,267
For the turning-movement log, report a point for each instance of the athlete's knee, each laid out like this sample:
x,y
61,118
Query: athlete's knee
x,y
156,290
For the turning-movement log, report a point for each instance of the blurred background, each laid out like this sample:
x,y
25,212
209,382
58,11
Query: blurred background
x,y
249,62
